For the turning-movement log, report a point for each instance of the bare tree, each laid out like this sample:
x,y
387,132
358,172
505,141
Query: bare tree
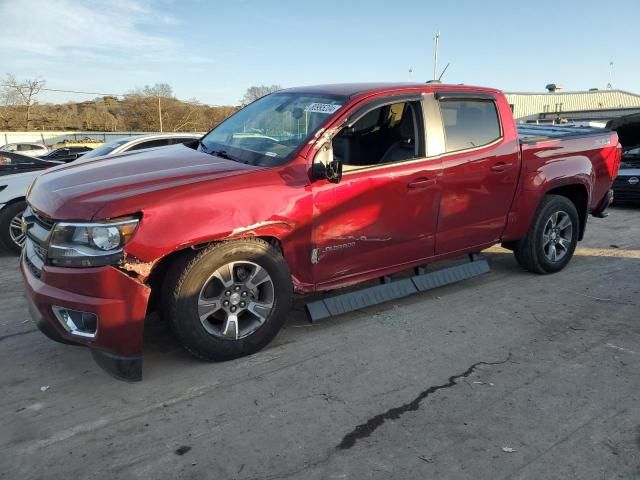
x,y
23,93
254,93
149,108
162,90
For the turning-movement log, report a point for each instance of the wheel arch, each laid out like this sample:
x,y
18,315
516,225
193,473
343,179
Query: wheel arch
x,y
12,201
578,194
158,272
528,202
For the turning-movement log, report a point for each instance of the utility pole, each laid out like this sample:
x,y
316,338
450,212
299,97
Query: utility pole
x,y
435,56
610,84
160,113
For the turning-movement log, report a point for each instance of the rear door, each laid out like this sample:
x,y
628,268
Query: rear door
x,y
383,213
480,169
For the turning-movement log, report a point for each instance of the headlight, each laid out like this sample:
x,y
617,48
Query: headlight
x,y
90,244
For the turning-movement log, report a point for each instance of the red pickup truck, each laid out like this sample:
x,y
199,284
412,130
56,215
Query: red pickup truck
x,y
307,189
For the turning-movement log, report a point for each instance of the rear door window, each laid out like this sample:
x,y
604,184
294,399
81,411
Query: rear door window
x,y
469,123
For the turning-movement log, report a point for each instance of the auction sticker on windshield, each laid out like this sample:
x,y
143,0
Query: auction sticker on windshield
x,y
322,108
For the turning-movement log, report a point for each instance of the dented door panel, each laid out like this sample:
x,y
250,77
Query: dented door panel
x,y
375,219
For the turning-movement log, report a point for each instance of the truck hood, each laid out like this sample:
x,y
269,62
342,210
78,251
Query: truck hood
x,y
79,190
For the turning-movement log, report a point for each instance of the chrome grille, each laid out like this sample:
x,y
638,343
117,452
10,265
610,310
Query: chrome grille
x,y
40,251
38,230
43,221
624,192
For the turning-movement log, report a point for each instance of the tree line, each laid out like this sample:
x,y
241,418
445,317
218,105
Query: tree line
x,y
150,108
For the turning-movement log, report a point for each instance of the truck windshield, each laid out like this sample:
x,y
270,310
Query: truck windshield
x,y
270,130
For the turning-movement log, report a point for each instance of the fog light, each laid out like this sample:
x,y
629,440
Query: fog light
x,y
83,324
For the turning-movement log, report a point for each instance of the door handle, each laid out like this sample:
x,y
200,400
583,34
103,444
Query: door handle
x,y
501,166
422,182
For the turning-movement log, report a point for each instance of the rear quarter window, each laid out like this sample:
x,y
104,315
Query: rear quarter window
x,y
469,123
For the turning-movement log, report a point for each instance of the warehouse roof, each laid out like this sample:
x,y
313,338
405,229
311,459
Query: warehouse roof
x,y
526,104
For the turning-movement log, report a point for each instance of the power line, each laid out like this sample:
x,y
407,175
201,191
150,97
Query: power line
x,y
86,93
72,91
124,95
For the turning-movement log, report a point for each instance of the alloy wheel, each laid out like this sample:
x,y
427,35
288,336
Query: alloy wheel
x,y
236,300
18,236
557,236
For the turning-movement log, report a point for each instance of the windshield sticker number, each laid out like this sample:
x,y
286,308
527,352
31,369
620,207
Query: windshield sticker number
x,y
327,108
271,154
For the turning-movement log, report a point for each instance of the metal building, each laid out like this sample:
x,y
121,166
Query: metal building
x,y
559,106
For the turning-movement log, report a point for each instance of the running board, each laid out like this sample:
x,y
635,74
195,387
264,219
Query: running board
x,y
366,297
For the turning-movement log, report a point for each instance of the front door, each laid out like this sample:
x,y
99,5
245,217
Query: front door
x,y
384,211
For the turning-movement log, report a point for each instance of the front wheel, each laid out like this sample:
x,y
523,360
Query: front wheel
x,y
552,238
228,300
12,236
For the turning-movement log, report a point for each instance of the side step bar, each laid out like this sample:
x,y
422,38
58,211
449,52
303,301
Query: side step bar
x,y
366,297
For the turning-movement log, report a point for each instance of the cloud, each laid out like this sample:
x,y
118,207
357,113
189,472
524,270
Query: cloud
x,y
97,28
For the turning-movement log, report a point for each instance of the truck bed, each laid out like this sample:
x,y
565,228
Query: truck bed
x,y
536,133
593,151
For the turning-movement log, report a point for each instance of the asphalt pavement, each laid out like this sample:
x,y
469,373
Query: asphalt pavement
x,y
508,375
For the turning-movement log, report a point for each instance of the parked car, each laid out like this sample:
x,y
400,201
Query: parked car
x,y
13,188
307,189
29,149
66,154
11,163
626,188
140,142
17,166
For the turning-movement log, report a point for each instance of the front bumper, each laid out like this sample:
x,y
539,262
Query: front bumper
x,y
627,186
119,301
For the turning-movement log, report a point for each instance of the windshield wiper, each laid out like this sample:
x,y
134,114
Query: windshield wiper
x,y
203,147
224,154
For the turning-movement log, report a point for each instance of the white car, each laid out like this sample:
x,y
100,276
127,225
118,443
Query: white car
x,y
13,187
29,149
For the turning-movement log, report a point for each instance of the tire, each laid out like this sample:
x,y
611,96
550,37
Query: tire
x,y
8,215
535,251
194,284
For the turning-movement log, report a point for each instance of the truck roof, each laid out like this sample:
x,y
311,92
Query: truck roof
x,y
357,89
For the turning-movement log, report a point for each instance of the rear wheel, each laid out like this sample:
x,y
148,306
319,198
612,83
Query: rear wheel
x,y
552,237
11,235
228,300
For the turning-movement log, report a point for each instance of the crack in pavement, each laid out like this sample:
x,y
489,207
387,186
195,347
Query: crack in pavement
x,y
367,428
18,334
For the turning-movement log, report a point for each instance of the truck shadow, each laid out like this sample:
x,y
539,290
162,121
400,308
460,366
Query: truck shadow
x,y
162,350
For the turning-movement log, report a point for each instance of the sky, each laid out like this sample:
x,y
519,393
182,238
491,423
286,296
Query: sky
x,y
214,50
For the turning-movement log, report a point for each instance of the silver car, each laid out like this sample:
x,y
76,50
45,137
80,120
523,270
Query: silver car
x,y
13,186
29,149
140,142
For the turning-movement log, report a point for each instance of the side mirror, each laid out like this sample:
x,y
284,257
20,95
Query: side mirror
x,y
325,166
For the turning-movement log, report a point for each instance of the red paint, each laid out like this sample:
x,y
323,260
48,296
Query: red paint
x,y
119,301
373,223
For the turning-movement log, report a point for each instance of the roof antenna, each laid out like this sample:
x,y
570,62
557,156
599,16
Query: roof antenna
x,y
445,69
